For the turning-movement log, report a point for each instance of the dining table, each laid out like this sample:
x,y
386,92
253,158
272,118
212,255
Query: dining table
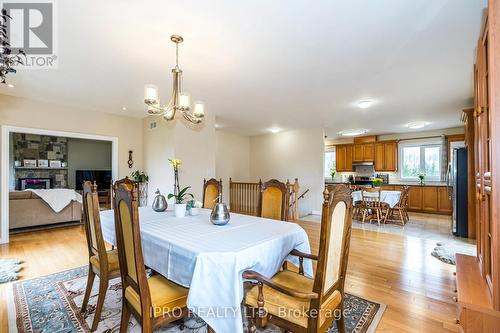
x,y
389,197
210,259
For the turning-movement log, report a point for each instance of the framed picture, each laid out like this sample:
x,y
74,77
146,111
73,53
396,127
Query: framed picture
x,y
55,163
43,163
29,163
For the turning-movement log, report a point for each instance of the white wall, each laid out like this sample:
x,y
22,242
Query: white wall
x,y
232,159
194,145
87,155
288,155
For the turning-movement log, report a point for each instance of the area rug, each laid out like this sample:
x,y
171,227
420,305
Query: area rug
x,y
9,269
52,303
446,252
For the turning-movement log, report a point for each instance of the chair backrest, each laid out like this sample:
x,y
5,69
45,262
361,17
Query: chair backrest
x,y
371,197
128,240
403,202
212,188
273,200
334,244
92,221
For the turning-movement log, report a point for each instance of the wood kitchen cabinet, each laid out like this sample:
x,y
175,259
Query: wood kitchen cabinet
x,y
386,156
444,200
429,199
363,152
415,198
343,156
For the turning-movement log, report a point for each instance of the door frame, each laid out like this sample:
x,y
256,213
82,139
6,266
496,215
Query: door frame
x,y
4,160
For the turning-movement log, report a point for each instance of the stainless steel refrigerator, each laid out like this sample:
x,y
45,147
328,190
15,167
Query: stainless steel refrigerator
x,y
457,185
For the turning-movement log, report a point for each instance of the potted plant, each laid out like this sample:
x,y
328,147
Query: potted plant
x,y
180,201
142,179
193,207
421,176
377,182
333,171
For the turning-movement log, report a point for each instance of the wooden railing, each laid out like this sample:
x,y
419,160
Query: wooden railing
x,y
244,198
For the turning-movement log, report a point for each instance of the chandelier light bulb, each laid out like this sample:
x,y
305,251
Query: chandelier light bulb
x,y
199,110
184,100
151,93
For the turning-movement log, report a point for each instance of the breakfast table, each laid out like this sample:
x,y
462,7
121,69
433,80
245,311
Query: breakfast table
x,y
210,259
389,197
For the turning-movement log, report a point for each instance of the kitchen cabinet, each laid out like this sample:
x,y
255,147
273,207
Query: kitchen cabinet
x,y
429,199
415,198
386,156
363,152
444,201
343,156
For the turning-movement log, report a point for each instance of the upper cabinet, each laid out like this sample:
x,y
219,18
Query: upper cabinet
x,y
386,156
343,156
363,152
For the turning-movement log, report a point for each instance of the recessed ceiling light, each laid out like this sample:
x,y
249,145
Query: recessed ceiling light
x,y
218,125
364,104
124,108
416,124
10,85
353,132
275,130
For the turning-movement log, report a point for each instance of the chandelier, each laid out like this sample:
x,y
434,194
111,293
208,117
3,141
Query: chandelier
x,y
179,100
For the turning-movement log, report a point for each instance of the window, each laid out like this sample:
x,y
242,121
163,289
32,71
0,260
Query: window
x,y
329,163
423,158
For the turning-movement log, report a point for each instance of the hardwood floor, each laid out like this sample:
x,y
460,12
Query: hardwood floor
x,y
387,268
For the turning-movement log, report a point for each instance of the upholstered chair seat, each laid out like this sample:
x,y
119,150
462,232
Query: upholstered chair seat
x,y
275,301
113,262
165,296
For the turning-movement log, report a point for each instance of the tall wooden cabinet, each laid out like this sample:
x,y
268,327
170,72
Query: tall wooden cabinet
x,y
386,156
343,157
478,278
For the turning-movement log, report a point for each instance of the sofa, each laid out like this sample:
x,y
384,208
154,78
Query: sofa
x,y
26,209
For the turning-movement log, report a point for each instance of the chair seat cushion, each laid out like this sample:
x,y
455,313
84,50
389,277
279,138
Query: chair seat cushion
x,y
113,264
296,308
165,296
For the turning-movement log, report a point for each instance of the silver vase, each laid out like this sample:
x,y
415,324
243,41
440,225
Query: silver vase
x,y
220,214
159,202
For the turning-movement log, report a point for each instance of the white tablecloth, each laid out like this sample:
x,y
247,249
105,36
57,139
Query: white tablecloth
x,y
210,259
389,197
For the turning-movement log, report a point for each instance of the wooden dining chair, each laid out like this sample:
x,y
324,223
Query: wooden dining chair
x,y
371,205
400,209
273,200
301,304
102,263
212,188
153,301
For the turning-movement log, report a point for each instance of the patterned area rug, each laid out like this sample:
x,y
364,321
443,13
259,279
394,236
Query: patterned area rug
x,y
52,303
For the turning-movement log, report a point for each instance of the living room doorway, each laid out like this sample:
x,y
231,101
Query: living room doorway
x,y
52,168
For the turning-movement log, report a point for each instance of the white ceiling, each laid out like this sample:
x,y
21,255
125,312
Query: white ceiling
x,y
259,64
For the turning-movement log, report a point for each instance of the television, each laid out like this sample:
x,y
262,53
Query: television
x,y
101,177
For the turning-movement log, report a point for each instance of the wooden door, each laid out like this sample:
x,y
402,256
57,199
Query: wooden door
x,y
391,156
379,162
368,152
358,153
340,158
348,157
429,198
444,201
415,198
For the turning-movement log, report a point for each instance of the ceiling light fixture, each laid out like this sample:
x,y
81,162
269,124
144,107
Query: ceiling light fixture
x,y
124,108
275,130
353,132
10,85
416,124
179,100
364,104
